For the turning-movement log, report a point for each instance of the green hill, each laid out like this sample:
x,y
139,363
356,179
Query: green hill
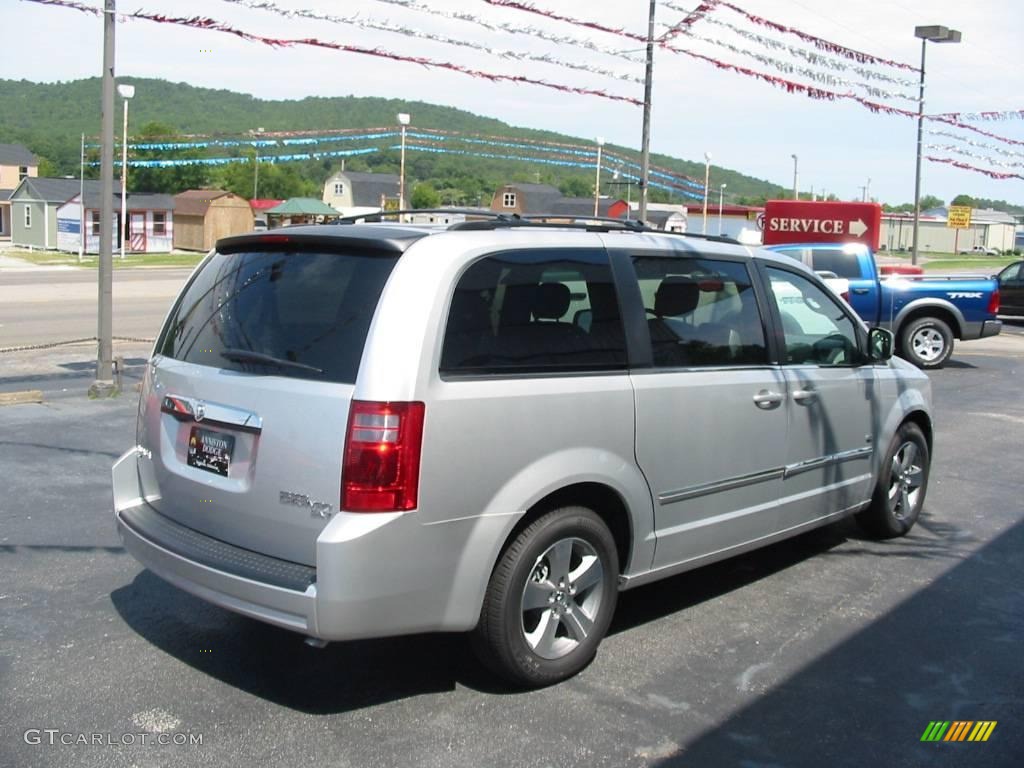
x,y
50,117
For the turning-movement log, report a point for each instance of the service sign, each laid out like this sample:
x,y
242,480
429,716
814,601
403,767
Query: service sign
x,y
804,221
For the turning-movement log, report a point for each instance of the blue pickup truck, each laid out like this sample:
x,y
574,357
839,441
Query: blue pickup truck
x,y
925,313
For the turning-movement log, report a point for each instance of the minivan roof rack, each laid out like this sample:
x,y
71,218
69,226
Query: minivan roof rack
x,y
490,220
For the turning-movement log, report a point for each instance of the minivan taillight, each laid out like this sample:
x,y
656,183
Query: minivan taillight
x,y
993,302
381,471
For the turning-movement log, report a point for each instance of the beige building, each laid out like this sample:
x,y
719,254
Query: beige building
x,y
988,229
352,193
16,164
203,216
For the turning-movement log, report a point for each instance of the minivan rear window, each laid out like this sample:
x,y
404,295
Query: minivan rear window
x,y
288,313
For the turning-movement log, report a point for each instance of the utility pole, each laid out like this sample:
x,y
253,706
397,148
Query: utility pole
x,y
104,384
81,202
645,142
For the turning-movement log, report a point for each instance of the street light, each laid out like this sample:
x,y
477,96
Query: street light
x,y
597,179
126,92
707,176
721,196
403,120
935,34
256,165
796,195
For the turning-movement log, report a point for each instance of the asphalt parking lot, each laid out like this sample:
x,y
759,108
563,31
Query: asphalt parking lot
x,y
828,649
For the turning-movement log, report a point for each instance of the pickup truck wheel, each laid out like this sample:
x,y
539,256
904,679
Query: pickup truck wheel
x,y
902,483
550,599
927,342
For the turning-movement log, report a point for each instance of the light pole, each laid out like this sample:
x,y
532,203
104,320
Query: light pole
x,y
597,178
867,191
721,196
81,202
796,194
256,166
707,176
126,92
403,120
935,34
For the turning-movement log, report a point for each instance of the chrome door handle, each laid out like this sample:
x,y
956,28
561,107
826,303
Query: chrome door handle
x,y
805,396
766,400
859,291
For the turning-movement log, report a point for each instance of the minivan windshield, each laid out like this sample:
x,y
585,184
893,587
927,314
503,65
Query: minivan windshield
x,y
299,314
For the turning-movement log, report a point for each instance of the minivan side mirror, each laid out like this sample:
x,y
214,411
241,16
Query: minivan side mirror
x,y
880,345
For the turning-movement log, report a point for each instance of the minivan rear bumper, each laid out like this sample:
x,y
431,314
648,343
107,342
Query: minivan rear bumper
x,y
376,574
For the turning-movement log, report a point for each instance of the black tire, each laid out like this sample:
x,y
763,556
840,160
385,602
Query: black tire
x,y
901,486
502,640
927,342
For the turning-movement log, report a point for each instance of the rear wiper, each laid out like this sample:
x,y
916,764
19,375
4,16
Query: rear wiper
x,y
248,356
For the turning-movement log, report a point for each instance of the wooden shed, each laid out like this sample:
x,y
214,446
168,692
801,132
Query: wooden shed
x,y
203,216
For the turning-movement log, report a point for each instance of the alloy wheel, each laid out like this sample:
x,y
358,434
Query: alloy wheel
x,y
562,597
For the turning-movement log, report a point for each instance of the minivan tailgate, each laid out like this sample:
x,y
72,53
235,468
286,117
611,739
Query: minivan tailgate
x,y
254,461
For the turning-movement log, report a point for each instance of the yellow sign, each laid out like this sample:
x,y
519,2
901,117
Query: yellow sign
x,y
959,217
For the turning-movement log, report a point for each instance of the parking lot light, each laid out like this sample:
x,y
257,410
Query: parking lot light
x,y
935,34
403,120
707,176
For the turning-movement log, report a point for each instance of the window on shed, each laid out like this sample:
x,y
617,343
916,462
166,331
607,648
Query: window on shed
x,y
537,311
159,223
508,200
94,217
339,188
28,216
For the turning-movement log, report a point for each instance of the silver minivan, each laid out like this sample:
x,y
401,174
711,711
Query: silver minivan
x,y
363,430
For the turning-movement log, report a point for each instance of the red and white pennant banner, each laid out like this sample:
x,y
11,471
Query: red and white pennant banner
x,y
357,20
812,56
974,117
977,144
817,42
202,22
967,153
969,167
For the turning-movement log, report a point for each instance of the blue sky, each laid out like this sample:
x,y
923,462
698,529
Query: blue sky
x,y
746,125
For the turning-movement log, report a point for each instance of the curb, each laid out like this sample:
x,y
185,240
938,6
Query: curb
x,y
22,397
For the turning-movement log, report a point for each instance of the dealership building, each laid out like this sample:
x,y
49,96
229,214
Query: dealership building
x,y
988,229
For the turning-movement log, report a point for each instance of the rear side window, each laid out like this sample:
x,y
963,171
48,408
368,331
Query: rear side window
x,y
535,312
700,312
840,262
297,314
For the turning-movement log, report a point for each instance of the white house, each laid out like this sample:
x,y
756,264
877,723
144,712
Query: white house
x,y
352,193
